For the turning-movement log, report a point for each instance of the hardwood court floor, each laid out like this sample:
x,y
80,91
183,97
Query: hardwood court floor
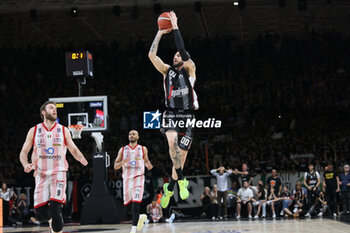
x,y
268,226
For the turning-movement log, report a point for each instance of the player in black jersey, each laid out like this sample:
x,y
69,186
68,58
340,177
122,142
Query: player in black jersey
x,y
312,180
181,101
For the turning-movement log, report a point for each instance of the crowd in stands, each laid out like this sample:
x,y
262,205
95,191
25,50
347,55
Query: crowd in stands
x,y
284,101
314,196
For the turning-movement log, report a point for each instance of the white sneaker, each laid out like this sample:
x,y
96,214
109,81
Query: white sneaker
x,y
220,218
273,215
256,217
282,213
171,219
334,215
249,216
238,216
320,214
213,218
263,216
308,215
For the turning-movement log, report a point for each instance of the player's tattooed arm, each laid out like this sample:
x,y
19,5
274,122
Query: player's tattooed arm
x,y
152,54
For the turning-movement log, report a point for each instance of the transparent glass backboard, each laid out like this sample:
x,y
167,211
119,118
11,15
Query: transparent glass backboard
x,y
90,111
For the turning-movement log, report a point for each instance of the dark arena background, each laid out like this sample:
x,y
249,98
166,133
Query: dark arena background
x,y
274,72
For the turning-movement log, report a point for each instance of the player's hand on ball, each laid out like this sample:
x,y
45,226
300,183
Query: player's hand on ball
x,y
165,31
173,19
28,168
83,161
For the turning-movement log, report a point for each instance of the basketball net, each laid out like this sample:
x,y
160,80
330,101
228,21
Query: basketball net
x,y
76,130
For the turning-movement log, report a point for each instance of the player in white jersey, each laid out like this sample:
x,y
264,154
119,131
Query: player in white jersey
x,y
133,158
50,141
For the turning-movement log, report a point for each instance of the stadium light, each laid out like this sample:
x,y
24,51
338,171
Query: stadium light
x,y
74,12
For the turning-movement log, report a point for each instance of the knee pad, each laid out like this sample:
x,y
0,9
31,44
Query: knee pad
x,y
55,213
42,213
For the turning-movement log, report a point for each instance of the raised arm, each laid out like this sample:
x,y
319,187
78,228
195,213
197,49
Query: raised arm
x,y
23,155
214,171
152,54
73,149
145,158
188,63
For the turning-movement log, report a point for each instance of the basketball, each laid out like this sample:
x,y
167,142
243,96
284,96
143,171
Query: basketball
x,y
164,21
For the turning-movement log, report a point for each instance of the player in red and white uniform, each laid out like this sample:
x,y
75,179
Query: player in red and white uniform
x,y
50,141
133,158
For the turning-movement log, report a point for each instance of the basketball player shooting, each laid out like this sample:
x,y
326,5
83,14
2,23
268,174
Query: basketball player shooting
x,y
133,158
181,101
50,141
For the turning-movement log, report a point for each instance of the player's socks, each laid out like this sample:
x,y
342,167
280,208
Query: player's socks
x,y
141,222
171,185
179,174
133,229
183,184
164,201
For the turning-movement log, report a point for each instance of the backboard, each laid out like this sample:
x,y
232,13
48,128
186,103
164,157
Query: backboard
x,y
90,111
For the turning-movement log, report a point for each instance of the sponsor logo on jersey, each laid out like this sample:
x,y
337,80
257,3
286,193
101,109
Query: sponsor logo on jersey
x,y
57,140
179,92
40,141
41,135
132,163
49,151
56,144
49,136
172,74
54,157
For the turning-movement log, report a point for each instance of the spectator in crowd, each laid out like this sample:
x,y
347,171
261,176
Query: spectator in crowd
x,y
244,199
222,176
331,185
286,198
345,189
244,174
232,198
273,199
274,182
215,201
23,210
298,200
207,205
312,181
6,194
259,200
154,212
321,205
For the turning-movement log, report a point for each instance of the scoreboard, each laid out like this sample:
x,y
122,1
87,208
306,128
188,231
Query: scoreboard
x,y
79,64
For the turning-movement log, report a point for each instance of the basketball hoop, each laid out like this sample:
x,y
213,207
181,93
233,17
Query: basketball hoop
x,y
76,130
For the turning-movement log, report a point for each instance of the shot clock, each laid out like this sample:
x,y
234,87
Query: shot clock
x,y
79,64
